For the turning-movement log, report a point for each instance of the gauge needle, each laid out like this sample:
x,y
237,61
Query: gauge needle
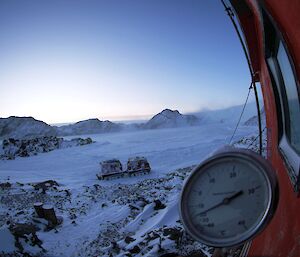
x,y
225,201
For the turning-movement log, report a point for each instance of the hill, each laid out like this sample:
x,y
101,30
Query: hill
x,y
24,127
90,126
170,119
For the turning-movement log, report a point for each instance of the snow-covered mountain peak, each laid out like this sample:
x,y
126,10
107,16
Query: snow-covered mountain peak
x,y
170,119
169,112
90,126
89,122
24,127
94,120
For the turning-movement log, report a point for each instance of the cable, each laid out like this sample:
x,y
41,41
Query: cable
x,y
241,115
252,74
256,138
231,15
259,119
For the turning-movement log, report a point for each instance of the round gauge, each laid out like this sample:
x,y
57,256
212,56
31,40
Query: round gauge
x,y
229,198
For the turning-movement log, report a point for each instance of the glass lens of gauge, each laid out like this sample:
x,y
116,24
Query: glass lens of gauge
x,y
226,201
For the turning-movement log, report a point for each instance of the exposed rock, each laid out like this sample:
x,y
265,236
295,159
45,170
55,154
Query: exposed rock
x,y
12,147
25,234
19,229
173,233
82,141
129,239
115,238
135,250
5,185
159,205
45,185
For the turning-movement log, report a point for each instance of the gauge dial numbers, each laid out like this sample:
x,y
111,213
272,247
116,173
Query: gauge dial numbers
x,y
229,198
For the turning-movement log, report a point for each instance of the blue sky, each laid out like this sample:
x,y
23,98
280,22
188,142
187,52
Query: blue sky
x,y
64,61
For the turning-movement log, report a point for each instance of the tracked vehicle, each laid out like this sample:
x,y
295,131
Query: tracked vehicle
x,y
138,166
111,169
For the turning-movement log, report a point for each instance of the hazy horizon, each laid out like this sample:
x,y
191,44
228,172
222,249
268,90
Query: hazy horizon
x,y
136,118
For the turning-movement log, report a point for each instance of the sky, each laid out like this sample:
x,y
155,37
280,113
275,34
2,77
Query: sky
x,y
69,60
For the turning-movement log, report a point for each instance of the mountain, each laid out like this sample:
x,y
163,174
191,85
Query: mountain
x,y
24,127
170,119
90,126
28,127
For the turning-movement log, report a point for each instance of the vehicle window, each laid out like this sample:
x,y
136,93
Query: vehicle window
x,y
292,98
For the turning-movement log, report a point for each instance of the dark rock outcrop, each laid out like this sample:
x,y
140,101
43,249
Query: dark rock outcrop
x,y
12,147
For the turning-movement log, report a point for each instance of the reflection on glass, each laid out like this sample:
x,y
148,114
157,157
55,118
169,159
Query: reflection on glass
x,y
292,97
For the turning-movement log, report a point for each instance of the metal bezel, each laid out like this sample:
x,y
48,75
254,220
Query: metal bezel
x,y
262,166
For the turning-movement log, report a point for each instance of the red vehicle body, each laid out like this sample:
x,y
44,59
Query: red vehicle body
x,y
261,22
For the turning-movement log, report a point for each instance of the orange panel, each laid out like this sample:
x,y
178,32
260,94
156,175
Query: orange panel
x,y
282,235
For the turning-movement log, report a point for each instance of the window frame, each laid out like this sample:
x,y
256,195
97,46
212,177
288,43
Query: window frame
x,y
272,40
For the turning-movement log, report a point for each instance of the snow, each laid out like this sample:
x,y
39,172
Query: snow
x,y
7,241
166,150
167,216
70,237
24,127
253,121
99,215
92,126
171,119
28,127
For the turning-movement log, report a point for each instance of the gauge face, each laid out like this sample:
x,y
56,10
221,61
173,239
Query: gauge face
x,y
228,199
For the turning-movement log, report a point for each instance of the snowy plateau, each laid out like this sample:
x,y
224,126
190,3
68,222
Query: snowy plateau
x,y
130,216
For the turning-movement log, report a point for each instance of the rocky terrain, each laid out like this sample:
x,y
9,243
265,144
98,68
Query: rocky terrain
x,y
12,148
251,142
146,224
136,216
116,218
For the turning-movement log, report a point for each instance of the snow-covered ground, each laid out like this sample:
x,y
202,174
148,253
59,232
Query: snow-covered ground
x,y
166,150
121,217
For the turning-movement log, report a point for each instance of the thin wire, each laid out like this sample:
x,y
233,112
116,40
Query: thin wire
x,y
258,119
241,115
252,74
256,138
230,13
